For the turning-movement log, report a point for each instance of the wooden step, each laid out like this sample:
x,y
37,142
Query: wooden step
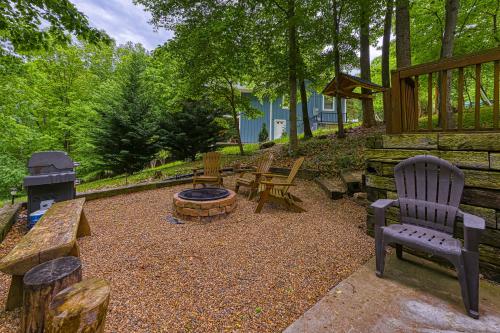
x,y
353,180
334,188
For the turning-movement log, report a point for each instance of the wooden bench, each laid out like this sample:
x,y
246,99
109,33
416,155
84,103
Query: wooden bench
x,y
52,237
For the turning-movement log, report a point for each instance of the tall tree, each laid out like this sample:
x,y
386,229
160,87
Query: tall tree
x,y
403,42
29,25
337,7
129,135
213,51
386,43
292,72
364,59
447,43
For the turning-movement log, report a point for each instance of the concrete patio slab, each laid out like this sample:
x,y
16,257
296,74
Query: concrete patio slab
x,y
415,295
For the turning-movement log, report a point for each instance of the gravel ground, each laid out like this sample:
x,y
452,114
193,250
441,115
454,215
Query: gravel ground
x,y
246,273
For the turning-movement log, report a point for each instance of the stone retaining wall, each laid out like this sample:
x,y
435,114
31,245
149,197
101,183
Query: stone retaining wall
x,y
477,154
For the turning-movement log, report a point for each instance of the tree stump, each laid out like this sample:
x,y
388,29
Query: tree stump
x,y
41,284
80,308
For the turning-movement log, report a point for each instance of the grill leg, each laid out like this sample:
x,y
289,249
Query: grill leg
x,y
399,251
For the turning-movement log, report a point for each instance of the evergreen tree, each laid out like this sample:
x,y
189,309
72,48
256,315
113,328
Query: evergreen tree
x,y
263,134
129,136
194,129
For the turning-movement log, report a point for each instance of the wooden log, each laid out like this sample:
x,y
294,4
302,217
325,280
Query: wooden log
x,y
470,141
411,141
483,179
495,161
383,183
41,284
81,307
481,197
394,154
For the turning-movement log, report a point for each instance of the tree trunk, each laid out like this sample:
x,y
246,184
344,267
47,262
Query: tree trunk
x,y
80,308
447,43
303,96
364,59
386,44
238,132
305,114
292,74
41,284
234,113
336,59
403,43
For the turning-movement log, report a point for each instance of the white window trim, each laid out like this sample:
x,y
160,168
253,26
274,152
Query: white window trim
x,y
325,109
283,103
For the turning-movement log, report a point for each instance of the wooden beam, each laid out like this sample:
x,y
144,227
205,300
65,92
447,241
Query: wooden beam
x,y
460,97
477,106
396,123
444,99
429,101
451,63
351,94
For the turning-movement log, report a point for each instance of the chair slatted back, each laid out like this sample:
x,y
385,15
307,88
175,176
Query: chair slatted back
x,y
429,191
293,172
264,163
211,164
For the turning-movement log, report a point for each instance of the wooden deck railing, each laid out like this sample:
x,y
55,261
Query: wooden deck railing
x,y
445,81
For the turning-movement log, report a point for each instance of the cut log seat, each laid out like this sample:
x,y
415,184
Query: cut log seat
x,y
41,284
81,307
52,237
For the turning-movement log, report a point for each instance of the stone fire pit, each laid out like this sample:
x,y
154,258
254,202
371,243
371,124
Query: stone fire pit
x,y
204,204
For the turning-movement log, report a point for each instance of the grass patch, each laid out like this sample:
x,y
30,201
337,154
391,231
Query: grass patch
x,y
485,119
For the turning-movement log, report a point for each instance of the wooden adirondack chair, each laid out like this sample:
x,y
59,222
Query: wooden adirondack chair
x,y
275,189
212,173
429,192
263,165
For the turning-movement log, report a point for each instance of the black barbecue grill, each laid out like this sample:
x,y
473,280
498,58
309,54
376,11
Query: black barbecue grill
x,y
52,177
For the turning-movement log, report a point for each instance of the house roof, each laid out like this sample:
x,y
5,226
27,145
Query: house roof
x,y
347,84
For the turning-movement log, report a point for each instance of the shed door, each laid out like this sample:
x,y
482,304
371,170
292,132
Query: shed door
x,y
279,128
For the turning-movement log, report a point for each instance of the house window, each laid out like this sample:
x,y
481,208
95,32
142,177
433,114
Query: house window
x,y
285,102
328,103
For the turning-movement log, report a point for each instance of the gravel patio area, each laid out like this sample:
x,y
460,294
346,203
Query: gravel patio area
x,y
246,273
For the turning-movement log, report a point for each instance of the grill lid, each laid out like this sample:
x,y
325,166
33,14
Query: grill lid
x,y
49,162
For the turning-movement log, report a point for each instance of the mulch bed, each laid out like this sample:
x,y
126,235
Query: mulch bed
x,y
246,273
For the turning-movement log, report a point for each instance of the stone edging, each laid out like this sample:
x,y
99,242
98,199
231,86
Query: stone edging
x,y
99,194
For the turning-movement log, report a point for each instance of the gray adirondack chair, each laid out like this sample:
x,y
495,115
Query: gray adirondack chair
x,y
429,192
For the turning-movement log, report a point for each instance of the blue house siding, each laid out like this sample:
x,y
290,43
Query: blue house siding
x,y
250,128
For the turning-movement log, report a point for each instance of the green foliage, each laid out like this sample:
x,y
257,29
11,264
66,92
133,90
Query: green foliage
x,y
30,25
192,130
129,136
263,134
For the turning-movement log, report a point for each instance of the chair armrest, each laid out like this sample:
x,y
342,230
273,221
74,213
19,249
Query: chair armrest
x,y
379,208
267,182
473,228
196,171
273,175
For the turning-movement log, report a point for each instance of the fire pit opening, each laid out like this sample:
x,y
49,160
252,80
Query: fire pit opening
x,y
204,204
204,194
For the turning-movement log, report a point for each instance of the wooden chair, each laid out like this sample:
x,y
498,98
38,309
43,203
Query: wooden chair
x,y
275,189
212,173
429,192
263,165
